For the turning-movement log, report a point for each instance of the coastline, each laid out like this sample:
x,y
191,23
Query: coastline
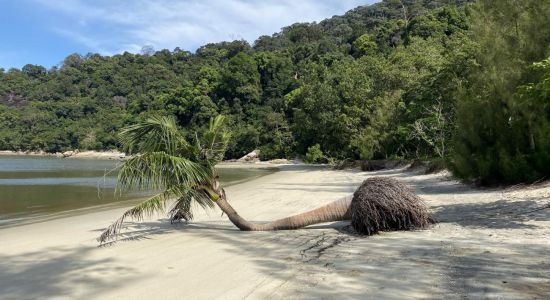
x,y
19,218
482,248
115,155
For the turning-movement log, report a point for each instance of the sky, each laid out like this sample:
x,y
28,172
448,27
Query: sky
x,y
44,32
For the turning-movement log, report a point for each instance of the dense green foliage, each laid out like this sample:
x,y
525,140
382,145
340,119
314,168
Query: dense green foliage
x,y
466,83
348,83
314,155
503,116
178,168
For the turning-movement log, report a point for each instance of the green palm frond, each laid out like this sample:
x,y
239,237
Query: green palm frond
x,y
170,164
148,207
158,170
153,135
214,141
182,209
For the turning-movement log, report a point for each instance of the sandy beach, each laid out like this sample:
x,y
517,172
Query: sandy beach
x,y
489,244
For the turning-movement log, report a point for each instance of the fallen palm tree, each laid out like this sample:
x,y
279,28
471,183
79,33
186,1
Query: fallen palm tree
x,y
379,204
184,171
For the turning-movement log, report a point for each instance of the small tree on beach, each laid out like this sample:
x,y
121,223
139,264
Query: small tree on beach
x,y
184,170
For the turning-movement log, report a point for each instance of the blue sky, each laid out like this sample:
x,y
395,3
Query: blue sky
x,y
44,32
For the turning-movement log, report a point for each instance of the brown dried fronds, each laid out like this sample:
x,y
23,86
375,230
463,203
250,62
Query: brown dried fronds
x,y
385,204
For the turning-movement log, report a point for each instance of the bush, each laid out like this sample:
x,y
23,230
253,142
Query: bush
x,y
503,117
315,155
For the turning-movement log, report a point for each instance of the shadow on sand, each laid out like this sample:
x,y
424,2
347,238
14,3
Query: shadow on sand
x,y
326,260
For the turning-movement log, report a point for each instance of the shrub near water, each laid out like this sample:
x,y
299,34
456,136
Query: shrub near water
x,y
315,155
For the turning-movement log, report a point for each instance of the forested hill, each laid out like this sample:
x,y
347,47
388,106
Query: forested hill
x,y
400,78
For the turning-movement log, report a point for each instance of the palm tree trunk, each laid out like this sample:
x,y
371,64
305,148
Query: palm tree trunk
x,y
334,211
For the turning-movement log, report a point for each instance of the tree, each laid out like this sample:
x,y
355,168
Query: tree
x,y
33,71
168,162
354,84
314,155
184,170
496,138
241,80
147,50
364,45
433,129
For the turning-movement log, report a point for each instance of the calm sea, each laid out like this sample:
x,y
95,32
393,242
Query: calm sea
x,y
39,188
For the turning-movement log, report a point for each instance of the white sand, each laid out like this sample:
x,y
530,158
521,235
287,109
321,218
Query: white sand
x,y
487,246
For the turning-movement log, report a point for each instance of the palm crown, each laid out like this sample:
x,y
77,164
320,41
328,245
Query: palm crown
x,y
169,163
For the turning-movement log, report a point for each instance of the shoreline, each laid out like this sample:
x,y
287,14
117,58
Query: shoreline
x,y
22,218
117,155
484,246
111,155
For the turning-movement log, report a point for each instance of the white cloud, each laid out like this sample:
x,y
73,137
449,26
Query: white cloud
x,y
113,26
88,42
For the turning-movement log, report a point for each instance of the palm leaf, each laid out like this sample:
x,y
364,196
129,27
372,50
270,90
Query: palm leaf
x,y
153,135
182,208
214,141
198,195
158,170
171,165
147,207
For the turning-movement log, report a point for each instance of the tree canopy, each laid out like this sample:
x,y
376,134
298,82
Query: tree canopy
x,y
449,79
